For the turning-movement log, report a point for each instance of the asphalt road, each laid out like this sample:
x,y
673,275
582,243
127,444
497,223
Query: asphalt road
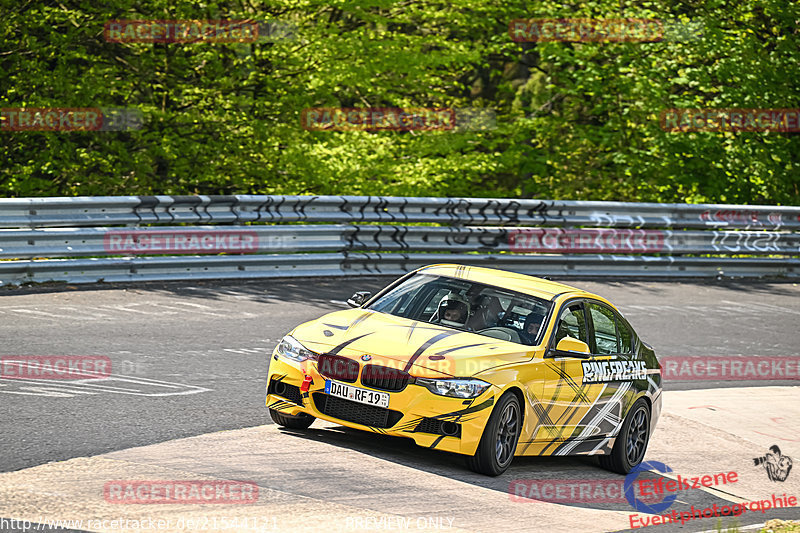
x,y
216,336
189,360
199,351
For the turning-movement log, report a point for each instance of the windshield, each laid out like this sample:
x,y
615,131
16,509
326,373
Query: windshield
x,y
468,306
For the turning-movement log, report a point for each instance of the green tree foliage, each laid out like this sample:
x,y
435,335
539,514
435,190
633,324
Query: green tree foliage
x,y
573,120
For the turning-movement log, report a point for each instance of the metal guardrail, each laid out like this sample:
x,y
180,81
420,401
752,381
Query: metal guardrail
x,y
242,209
86,239
106,241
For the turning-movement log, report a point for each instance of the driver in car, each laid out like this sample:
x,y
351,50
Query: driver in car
x,y
453,310
531,328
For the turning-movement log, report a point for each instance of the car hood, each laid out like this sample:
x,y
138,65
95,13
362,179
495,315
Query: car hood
x,y
421,348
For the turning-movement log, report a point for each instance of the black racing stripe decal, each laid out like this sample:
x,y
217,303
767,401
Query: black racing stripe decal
x,y
587,417
471,409
344,345
542,415
567,416
411,330
409,426
426,327
583,446
590,411
437,441
444,352
579,392
546,411
359,320
554,438
334,326
603,399
430,342
556,393
579,395
458,418
562,372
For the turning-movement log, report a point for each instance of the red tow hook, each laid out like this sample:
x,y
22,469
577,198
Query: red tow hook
x,y
307,381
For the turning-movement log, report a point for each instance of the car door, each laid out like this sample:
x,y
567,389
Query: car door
x,y
565,402
610,366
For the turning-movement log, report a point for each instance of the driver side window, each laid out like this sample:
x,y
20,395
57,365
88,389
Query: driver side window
x,y
572,324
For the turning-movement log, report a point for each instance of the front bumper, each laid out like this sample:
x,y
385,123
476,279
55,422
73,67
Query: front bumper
x,y
414,412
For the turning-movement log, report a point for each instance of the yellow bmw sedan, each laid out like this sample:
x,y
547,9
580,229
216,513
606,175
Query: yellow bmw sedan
x,y
476,361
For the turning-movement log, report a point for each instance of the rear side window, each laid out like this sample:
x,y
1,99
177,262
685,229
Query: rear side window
x,y
605,329
625,336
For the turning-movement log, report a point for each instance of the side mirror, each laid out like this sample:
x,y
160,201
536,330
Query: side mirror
x,y
359,298
569,347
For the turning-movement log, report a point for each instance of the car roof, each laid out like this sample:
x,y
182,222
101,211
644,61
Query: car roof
x,y
539,287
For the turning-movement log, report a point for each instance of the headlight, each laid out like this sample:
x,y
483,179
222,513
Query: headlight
x,y
291,348
456,388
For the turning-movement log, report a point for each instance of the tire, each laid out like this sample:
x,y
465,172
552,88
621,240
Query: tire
x,y
631,443
499,440
301,421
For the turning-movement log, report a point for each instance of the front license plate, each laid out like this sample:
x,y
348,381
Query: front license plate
x,y
356,394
